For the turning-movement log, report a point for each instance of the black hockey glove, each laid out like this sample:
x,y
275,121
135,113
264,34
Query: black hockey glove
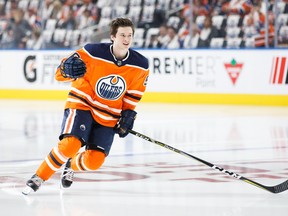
x,y
73,67
125,123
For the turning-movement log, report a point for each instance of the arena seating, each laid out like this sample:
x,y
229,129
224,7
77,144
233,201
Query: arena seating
x,y
234,31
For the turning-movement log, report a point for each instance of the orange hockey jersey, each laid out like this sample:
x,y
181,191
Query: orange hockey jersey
x,y
109,85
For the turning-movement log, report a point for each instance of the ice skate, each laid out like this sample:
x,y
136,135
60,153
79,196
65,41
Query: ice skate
x,y
67,175
33,184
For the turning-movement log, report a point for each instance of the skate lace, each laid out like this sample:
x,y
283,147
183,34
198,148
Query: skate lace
x,y
68,175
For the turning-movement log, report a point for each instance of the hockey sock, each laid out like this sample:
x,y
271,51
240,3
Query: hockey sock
x,y
66,149
88,160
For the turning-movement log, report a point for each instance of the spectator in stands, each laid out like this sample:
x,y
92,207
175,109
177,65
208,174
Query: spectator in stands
x,y
3,21
47,9
67,6
253,22
260,41
241,7
283,37
12,6
272,3
35,42
250,28
69,22
158,16
18,31
200,8
86,20
217,7
33,19
90,6
153,42
207,33
258,16
7,39
161,39
2,10
184,31
189,42
56,10
173,41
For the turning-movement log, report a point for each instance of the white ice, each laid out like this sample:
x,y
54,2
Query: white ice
x,y
140,178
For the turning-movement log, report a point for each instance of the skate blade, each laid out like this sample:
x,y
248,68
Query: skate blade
x,y
27,190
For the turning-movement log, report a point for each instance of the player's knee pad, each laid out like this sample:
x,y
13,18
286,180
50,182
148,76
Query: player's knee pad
x,y
92,159
69,146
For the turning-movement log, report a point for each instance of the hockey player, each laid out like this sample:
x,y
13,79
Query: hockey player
x,y
107,82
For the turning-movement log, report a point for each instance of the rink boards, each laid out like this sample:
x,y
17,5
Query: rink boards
x,y
178,76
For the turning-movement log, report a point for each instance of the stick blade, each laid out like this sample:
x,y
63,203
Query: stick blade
x,y
279,188
273,189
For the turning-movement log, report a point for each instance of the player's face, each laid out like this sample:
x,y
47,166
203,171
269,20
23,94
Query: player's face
x,y
123,38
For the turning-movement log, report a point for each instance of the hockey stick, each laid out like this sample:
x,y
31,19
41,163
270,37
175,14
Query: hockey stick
x,y
273,189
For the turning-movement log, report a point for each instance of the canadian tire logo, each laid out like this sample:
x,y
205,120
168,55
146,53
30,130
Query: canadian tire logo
x,y
233,69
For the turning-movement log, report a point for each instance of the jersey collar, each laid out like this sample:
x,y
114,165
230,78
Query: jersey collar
x,y
117,61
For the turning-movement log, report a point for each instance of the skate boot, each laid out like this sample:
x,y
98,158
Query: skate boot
x,y
67,175
33,183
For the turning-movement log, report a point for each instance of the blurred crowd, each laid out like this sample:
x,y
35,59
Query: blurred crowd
x,y
24,24
224,19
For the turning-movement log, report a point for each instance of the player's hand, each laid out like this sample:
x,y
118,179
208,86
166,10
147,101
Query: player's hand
x,y
125,123
73,67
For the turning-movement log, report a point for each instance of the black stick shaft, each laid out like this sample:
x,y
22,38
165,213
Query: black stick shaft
x,y
273,189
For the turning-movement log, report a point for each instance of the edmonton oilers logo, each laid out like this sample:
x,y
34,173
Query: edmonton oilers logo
x,y
111,87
